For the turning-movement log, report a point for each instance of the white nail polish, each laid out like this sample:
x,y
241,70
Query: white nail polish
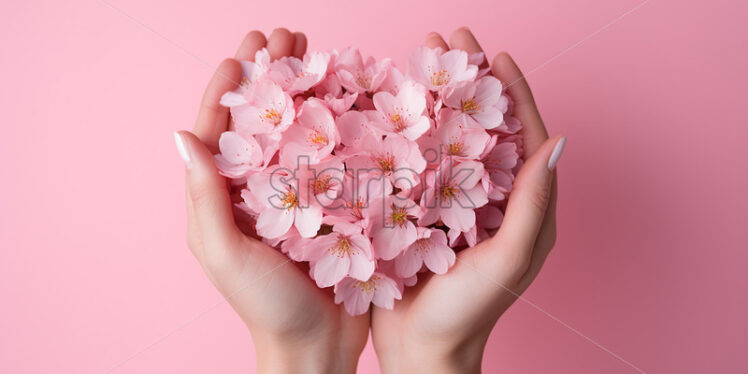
x,y
557,151
182,149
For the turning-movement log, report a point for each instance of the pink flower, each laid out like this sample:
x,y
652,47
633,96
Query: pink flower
x,y
357,295
498,163
478,103
361,194
452,194
357,76
251,73
284,204
477,59
296,76
405,113
325,181
316,134
488,219
393,81
239,155
267,109
430,249
511,124
332,93
437,70
353,126
396,158
368,175
344,252
293,245
453,139
392,229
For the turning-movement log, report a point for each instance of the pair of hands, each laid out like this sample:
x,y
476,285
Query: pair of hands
x,y
441,325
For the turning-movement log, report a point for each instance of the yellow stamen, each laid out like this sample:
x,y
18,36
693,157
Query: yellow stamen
x,y
455,149
398,122
289,199
399,216
273,116
317,138
370,285
439,78
342,248
322,184
386,163
449,192
470,106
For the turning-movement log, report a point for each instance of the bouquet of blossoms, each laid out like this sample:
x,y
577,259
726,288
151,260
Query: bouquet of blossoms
x,y
367,174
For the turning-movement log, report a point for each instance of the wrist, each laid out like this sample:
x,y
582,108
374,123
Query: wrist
x,y
433,357
302,356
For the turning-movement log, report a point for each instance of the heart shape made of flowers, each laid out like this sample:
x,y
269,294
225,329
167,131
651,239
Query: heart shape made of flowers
x,y
367,174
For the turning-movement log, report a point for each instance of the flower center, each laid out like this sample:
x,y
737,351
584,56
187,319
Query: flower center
x,y
316,137
273,116
356,208
245,82
322,184
289,199
370,285
398,122
342,248
440,77
363,80
422,245
399,216
470,106
455,149
386,163
449,192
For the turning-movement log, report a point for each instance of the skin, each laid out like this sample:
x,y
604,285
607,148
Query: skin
x,y
295,326
441,325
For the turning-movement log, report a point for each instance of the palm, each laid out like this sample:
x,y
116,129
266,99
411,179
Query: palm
x,y
446,307
267,289
455,312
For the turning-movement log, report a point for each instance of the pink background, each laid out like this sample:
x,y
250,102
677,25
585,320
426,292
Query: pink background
x,y
651,256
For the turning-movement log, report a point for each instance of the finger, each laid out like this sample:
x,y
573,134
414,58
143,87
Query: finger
x,y
546,238
464,39
280,43
527,207
299,46
434,40
211,207
212,119
533,130
253,42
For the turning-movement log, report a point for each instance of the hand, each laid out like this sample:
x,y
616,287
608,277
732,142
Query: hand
x,y
295,326
442,324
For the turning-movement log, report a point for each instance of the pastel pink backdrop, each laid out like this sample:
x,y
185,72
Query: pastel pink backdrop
x,y
651,256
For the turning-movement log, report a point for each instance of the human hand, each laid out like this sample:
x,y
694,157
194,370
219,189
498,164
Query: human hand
x,y
442,324
295,326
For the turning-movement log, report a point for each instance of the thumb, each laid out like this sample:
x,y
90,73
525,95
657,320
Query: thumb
x,y
207,192
529,199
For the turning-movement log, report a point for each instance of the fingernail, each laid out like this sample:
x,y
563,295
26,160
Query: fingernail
x,y
182,149
557,151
